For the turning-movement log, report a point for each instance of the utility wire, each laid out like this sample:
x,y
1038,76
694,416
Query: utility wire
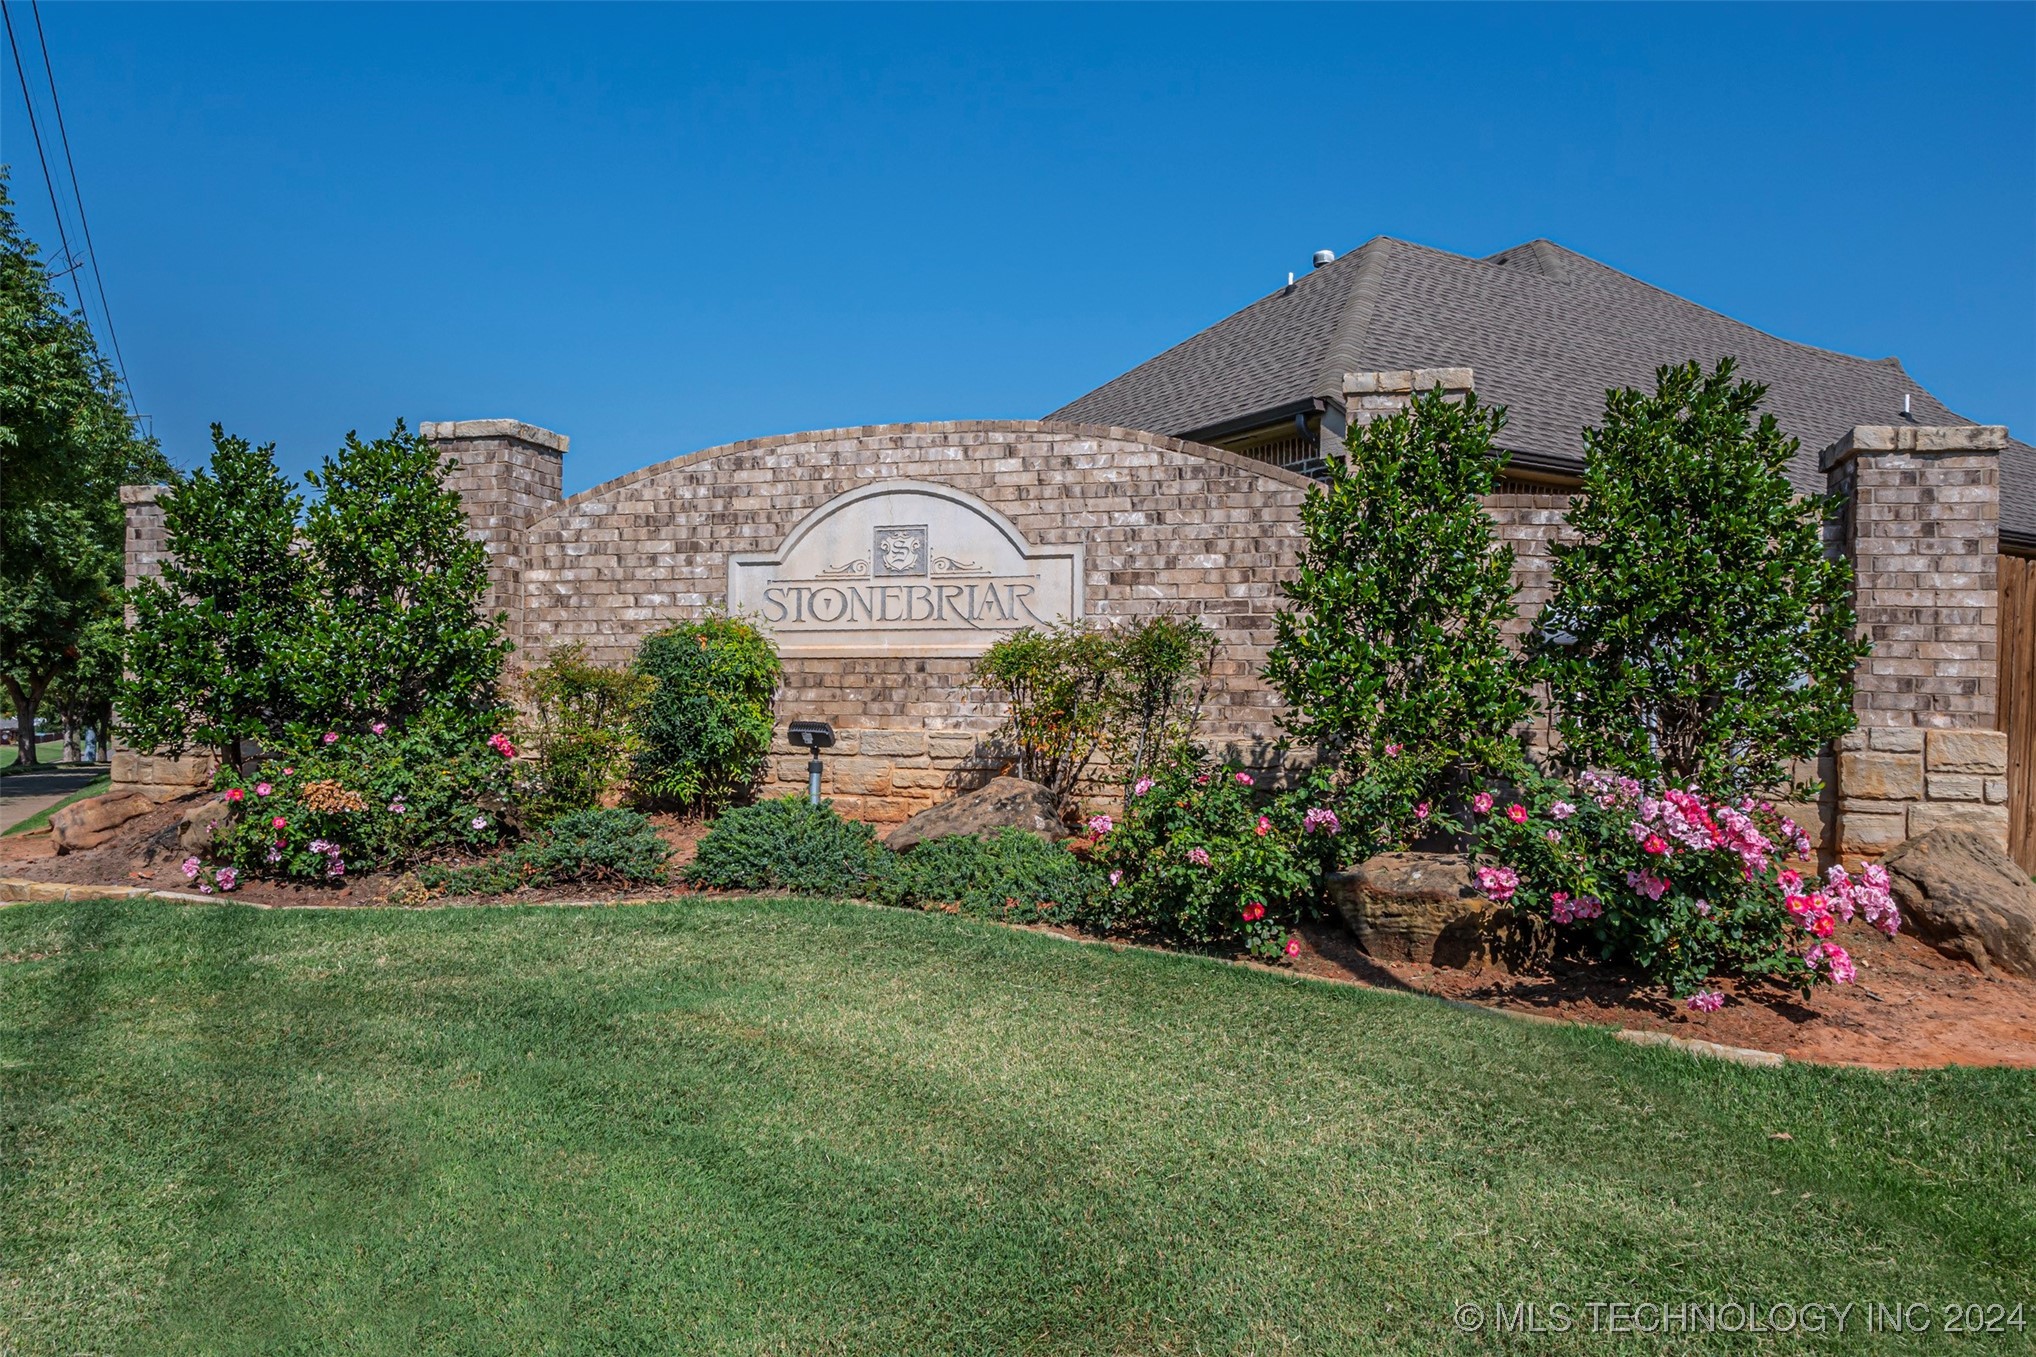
x,y
48,181
78,196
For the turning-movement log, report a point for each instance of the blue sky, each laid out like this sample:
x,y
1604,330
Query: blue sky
x,y
660,228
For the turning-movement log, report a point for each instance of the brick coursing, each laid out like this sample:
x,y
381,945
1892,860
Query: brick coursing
x,y
146,549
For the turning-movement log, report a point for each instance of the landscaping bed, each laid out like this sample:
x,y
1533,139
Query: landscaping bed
x,y
1911,1008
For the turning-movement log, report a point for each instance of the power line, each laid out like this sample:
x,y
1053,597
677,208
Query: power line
x,y
48,181
78,196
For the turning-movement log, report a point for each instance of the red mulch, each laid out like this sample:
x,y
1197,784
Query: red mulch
x,y
1910,1008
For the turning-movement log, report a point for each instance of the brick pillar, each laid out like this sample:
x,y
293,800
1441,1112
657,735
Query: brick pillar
x,y
145,551
1922,529
1376,395
508,473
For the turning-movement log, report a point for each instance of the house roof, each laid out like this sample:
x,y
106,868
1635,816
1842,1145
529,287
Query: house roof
x,y
1547,332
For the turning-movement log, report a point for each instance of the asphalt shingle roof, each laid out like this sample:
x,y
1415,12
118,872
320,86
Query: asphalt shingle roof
x,y
1547,332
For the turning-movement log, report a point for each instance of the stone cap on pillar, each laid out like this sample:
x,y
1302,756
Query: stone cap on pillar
x,y
1402,380
1914,438
446,430
141,494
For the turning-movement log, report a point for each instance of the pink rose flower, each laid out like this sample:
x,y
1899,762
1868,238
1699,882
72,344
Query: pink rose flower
x,y
1562,810
1293,948
1705,1001
1199,856
1116,877
278,823
378,727
1253,912
1517,813
235,794
1393,751
1264,826
1141,787
331,737
1498,883
263,789
1099,825
1482,803
1244,779
1421,811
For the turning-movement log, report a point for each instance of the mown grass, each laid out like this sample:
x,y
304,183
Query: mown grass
x,y
761,1126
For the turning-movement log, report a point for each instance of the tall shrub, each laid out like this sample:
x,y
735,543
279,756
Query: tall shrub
x,y
219,645
586,727
1393,638
398,628
1053,681
707,725
1159,672
1706,638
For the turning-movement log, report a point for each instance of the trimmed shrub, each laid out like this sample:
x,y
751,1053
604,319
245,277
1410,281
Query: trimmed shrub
x,y
1394,637
789,845
1011,874
586,732
602,846
706,728
1053,681
369,800
1707,638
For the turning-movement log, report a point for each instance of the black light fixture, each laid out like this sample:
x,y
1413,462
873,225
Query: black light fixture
x,y
812,736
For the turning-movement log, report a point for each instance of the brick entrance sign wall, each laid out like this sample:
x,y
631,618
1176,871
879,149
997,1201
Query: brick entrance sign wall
x,y
884,559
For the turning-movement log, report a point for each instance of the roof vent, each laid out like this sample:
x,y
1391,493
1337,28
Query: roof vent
x,y
1324,257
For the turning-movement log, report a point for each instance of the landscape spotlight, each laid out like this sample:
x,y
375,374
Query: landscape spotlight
x,y
812,736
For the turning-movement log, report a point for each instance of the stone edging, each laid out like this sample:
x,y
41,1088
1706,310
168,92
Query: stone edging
x,y
20,891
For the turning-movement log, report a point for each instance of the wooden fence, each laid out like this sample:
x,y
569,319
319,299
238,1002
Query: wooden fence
x,y
2018,702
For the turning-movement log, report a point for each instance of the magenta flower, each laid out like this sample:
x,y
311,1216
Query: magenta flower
x,y
1834,957
1323,819
1517,813
1562,810
227,877
1264,826
1141,787
1199,856
278,823
1705,1001
500,744
1099,825
1482,803
378,727
263,789
1253,912
331,737
191,869
1498,883
235,794
1116,877
1293,948
1243,779
1647,884
1552,834
1421,811
1393,751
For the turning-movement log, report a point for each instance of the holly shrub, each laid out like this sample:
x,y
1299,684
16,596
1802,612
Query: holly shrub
x,y
706,728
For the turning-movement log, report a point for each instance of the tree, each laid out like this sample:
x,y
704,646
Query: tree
x,y
219,639
1704,636
67,443
1394,637
398,628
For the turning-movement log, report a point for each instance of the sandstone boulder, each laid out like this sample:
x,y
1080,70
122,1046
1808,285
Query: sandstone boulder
x,y
89,823
200,825
1004,802
1961,893
1426,907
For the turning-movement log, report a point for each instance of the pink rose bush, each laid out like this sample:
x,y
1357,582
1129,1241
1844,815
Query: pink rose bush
x,y
1203,858
341,802
1680,885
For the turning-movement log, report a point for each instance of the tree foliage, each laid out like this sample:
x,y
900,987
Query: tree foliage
x,y
219,649
399,628
67,443
1394,637
1707,638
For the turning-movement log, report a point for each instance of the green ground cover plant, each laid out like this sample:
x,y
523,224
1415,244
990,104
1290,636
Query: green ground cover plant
x,y
601,847
1008,875
789,844
737,1126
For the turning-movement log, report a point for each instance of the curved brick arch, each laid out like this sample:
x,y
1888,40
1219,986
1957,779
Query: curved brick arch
x,y
1162,526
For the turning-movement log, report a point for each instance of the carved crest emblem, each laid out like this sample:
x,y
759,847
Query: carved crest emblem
x,y
899,551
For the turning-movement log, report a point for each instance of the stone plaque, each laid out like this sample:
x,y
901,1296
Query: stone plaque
x,y
904,568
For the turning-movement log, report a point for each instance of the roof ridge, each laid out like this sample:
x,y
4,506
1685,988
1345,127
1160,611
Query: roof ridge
x,y
1355,323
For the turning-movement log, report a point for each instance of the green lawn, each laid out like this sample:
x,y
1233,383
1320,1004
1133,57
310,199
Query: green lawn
x,y
780,1126
46,751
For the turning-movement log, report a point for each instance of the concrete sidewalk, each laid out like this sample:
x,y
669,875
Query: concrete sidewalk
x,y
26,794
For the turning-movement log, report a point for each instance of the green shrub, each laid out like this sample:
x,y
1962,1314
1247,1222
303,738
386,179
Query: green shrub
x,y
1010,873
1395,633
586,728
1708,639
1200,859
789,845
369,800
604,846
707,726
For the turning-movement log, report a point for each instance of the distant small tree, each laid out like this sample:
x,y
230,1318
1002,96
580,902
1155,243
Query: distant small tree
x,y
1394,637
398,628
1697,632
1055,682
1159,673
586,726
219,643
